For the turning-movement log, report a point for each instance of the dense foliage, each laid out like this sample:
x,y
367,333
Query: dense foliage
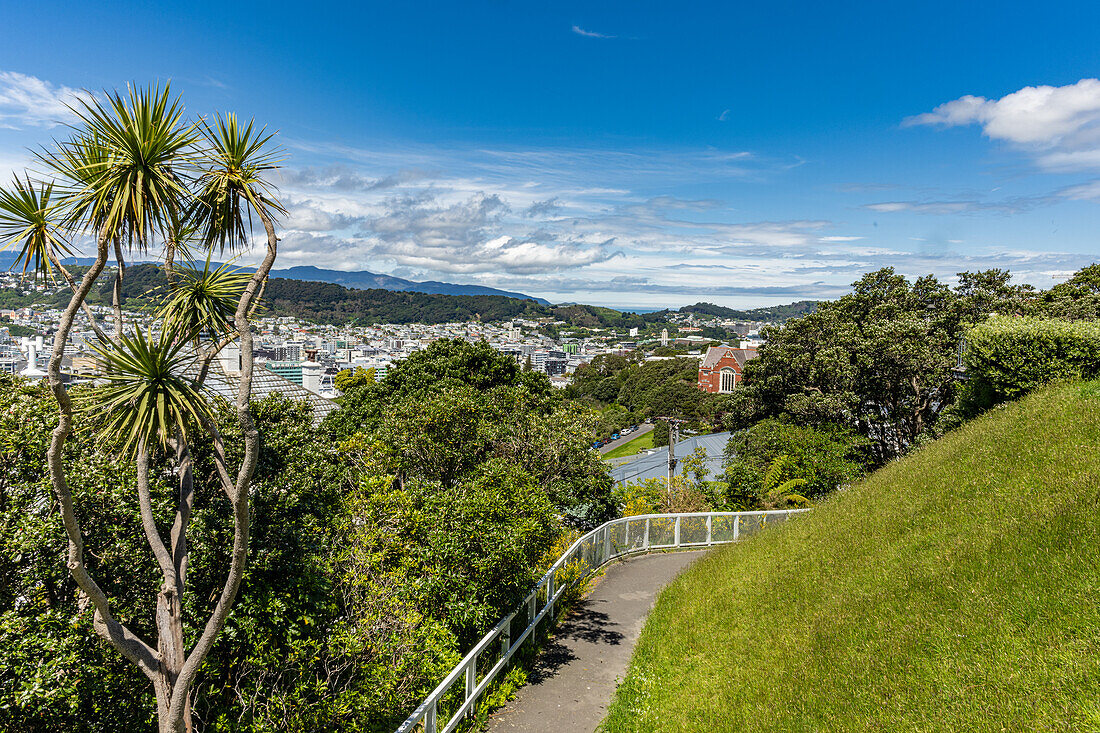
x,y
453,406
1009,357
55,673
383,544
592,316
664,388
878,361
761,459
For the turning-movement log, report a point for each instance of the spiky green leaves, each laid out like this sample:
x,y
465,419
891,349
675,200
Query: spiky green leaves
x,y
147,399
233,183
203,301
126,163
28,221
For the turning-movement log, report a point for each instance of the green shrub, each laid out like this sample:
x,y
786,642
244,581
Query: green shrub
x,y
823,459
1009,357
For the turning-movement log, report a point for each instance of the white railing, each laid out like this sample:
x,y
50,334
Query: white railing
x,y
457,694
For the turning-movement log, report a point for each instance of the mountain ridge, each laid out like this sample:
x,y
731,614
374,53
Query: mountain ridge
x,y
359,279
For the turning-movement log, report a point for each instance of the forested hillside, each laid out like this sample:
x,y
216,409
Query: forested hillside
x,y
775,313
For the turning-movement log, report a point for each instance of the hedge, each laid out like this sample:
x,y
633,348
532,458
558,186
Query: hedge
x,y
1008,357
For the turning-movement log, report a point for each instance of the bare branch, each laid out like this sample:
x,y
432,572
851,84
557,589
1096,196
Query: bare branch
x,y
148,522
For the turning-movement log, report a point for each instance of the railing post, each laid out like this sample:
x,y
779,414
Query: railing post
x,y
506,636
736,526
471,678
710,518
626,536
676,533
607,544
429,719
645,540
550,599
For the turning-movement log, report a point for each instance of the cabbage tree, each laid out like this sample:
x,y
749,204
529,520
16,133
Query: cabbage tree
x,y
135,173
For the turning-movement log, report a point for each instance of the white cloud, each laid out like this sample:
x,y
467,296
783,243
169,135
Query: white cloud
x,y
589,34
599,226
1059,125
1084,191
931,207
27,101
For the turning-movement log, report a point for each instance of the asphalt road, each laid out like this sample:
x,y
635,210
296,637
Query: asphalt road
x,y
575,676
642,430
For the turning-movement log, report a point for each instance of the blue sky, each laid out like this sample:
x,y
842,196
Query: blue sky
x,y
631,154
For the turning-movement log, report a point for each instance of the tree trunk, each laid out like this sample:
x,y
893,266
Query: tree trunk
x,y
237,492
116,295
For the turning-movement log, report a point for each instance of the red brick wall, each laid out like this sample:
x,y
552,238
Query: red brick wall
x,y
710,380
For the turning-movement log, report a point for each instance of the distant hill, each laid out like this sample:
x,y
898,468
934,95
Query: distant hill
x,y
364,280
775,313
323,302
309,292
360,279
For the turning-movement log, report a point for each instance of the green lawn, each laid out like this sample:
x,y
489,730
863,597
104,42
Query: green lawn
x,y
639,444
957,589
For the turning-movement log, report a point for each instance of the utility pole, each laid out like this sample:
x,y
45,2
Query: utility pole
x,y
673,437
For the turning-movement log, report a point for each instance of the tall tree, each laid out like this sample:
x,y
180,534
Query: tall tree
x,y
134,168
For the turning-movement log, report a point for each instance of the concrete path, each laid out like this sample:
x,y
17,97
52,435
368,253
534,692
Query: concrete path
x,y
576,675
642,430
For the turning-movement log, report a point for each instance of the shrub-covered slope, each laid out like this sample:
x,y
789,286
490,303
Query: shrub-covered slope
x,y
955,589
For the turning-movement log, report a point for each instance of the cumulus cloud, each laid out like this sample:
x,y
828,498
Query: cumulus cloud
x,y
575,225
538,209
27,101
307,218
471,236
1060,125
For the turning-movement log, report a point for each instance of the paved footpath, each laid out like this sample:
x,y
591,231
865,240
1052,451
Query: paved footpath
x,y
578,671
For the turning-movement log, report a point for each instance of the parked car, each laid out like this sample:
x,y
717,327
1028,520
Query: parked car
x,y
615,436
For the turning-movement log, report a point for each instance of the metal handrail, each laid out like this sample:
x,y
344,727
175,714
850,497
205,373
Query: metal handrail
x,y
607,542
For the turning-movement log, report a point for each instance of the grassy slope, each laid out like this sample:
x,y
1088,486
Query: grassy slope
x,y
957,589
639,444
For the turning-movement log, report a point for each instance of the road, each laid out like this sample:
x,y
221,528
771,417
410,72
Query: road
x,y
642,430
577,673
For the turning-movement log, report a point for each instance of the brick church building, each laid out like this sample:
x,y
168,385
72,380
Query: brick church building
x,y
720,370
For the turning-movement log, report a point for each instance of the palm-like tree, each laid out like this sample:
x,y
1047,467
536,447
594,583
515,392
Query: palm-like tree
x,y
204,301
148,401
30,222
136,171
26,222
